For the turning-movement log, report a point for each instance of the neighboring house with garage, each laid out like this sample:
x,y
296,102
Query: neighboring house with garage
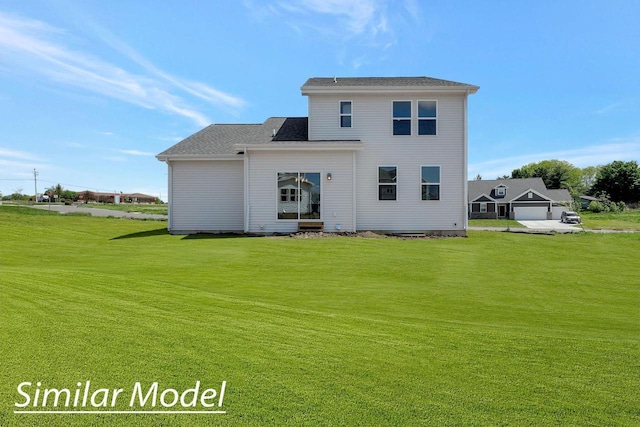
x,y
377,153
519,199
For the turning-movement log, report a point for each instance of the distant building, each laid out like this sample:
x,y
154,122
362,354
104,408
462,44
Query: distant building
x,y
97,197
519,199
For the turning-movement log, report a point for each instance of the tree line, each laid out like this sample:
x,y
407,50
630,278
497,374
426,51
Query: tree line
x,y
618,181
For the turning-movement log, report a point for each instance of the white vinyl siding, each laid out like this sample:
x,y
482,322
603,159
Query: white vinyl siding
x,y
206,196
408,153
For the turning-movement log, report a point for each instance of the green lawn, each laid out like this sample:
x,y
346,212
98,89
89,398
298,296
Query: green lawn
x,y
504,223
162,209
627,220
494,329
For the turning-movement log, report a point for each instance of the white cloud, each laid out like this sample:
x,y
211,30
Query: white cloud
x,y
33,45
608,109
17,154
616,149
72,144
118,159
366,26
369,20
16,169
137,152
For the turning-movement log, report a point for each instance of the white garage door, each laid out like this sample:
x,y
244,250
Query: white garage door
x,y
556,211
530,213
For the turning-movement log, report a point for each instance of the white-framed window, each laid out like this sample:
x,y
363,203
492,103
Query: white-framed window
x,y
387,182
299,195
501,191
288,194
346,114
427,117
530,195
402,117
483,207
430,182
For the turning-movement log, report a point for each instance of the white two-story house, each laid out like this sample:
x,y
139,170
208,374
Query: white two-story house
x,y
381,153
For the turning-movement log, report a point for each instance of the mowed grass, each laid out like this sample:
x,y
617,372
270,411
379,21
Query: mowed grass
x,y
161,209
503,223
494,329
627,220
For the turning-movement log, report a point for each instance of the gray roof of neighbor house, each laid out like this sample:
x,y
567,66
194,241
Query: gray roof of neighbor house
x,y
382,81
515,187
218,140
560,195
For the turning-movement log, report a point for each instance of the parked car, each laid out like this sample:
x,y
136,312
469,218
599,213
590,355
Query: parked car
x,y
570,217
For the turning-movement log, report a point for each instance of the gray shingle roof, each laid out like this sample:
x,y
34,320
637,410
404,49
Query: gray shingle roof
x,y
515,187
560,195
381,81
218,140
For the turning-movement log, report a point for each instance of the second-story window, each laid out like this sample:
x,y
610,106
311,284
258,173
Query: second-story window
x,y
345,114
402,117
427,117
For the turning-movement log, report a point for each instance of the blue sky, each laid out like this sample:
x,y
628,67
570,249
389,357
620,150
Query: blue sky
x,y
90,91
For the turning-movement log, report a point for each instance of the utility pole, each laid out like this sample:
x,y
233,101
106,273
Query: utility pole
x,y
35,183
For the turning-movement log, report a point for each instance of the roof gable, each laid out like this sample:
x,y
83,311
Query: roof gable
x,y
524,197
483,198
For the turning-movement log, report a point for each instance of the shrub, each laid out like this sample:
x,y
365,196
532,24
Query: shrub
x,y
596,207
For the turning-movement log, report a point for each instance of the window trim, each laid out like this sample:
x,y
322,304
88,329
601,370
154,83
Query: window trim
x,y
298,197
439,183
410,118
341,114
386,183
483,205
418,118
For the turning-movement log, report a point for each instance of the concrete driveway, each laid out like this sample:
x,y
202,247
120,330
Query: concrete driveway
x,y
551,225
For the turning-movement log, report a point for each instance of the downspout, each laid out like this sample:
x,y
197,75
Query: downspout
x,y
466,164
247,187
170,198
353,190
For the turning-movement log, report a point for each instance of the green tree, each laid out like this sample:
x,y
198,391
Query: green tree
x,y
555,174
589,177
619,180
69,195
